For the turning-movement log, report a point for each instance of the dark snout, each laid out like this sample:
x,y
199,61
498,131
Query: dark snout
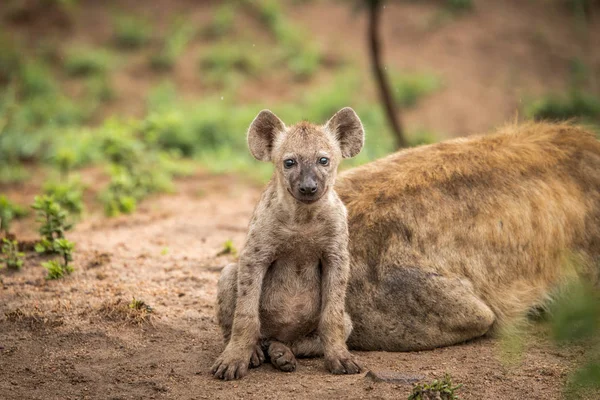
x,y
308,189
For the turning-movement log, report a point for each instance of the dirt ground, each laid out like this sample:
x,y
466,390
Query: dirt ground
x,y
75,338
71,339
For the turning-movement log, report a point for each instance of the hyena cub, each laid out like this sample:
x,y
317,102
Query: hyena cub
x,y
286,294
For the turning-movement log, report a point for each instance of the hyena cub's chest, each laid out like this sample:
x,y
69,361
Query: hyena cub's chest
x,y
291,296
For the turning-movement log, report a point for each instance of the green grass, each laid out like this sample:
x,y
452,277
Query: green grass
x,y
139,167
409,88
572,318
210,132
296,51
131,32
87,61
56,270
228,249
10,57
36,80
68,194
304,64
137,304
228,61
442,389
29,122
575,318
173,45
53,220
572,105
11,173
222,21
100,88
9,211
10,254
419,137
459,5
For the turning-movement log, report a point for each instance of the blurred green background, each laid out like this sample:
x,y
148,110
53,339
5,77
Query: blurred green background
x,y
146,91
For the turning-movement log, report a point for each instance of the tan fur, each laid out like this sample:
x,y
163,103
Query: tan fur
x,y
286,296
449,240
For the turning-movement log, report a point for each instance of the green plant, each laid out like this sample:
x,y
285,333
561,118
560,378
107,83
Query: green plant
x,y
32,110
228,248
13,173
140,305
442,389
10,58
421,137
8,212
137,169
58,269
223,59
36,80
304,64
68,194
83,61
29,123
269,12
65,249
53,221
300,54
575,318
55,270
222,22
459,5
575,104
99,88
65,161
409,88
121,194
131,32
181,32
12,258
581,9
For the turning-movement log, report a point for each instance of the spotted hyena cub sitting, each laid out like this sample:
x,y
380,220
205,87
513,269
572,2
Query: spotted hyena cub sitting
x,y
286,294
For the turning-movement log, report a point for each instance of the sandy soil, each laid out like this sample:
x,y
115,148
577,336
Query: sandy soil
x,y
71,339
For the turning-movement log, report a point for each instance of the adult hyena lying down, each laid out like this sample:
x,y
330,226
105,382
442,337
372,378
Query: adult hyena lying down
x,y
449,240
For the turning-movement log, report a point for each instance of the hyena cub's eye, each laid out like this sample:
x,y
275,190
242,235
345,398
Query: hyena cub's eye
x,y
324,161
289,163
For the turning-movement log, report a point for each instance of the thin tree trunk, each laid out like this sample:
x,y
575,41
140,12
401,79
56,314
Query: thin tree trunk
x,y
380,76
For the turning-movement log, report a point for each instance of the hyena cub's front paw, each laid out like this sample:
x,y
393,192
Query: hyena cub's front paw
x,y
342,362
232,364
258,357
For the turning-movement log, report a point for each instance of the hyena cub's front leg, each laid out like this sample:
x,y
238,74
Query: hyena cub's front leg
x,y
241,349
332,326
226,300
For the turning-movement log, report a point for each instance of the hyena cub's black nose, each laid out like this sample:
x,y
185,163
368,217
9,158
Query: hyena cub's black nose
x,y
308,189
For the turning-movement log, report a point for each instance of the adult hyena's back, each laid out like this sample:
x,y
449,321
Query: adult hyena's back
x,y
501,213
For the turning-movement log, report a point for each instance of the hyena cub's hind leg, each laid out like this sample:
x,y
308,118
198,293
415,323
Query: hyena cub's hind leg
x,y
284,357
226,299
311,346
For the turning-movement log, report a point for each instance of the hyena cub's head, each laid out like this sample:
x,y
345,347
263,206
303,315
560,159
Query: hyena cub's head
x,y
306,156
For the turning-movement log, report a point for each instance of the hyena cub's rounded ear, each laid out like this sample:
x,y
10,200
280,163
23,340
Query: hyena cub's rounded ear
x,y
348,130
262,133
